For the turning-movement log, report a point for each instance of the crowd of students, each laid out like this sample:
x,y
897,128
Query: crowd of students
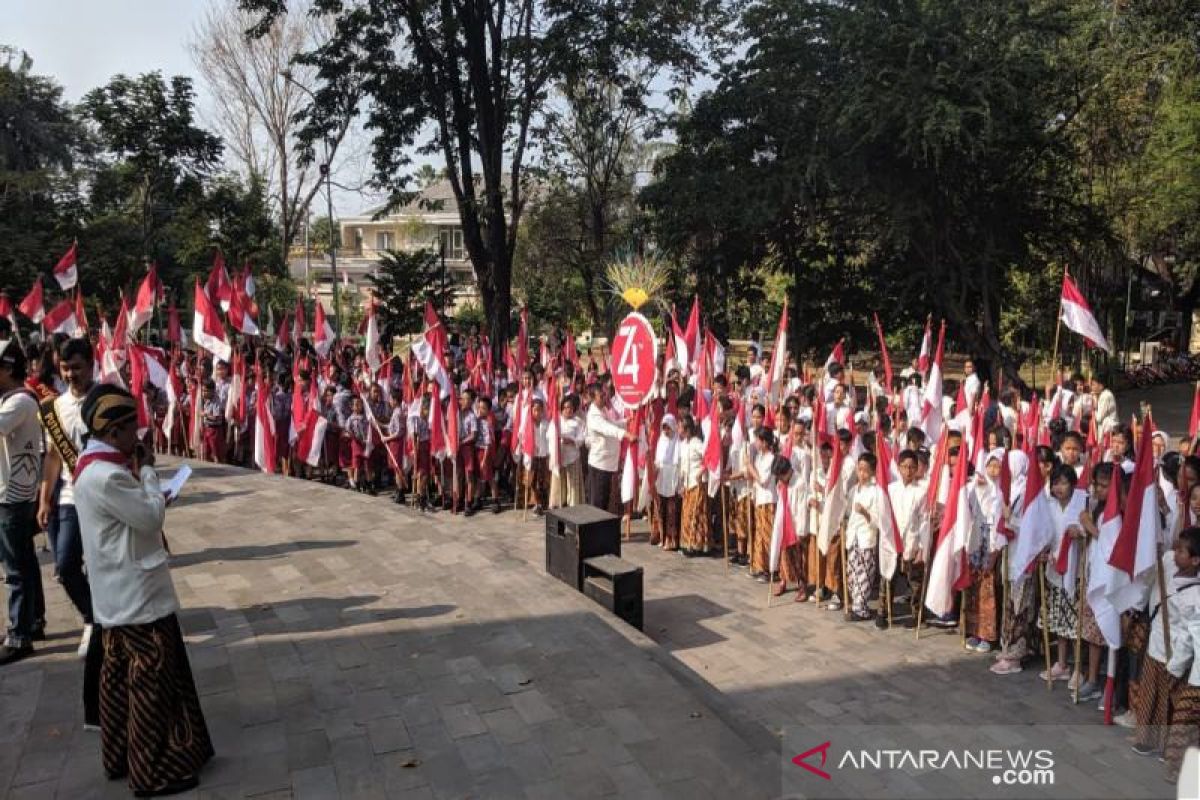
x,y
829,485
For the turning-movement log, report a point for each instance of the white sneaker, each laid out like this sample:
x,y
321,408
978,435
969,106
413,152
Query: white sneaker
x,y
1126,720
84,641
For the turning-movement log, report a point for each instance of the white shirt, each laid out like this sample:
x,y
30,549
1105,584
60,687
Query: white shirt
x,y
691,462
20,447
122,519
863,532
571,436
912,517
764,488
68,407
604,440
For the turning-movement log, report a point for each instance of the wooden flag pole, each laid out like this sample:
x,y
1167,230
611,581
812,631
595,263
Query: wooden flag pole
x,y
1080,589
1045,624
1005,591
724,526
962,617
845,572
887,592
1162,603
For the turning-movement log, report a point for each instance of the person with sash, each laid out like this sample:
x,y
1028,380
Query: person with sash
x,y
152,729
65,433
20,463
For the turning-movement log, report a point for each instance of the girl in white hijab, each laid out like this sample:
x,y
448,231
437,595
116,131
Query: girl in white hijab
x,y
666,485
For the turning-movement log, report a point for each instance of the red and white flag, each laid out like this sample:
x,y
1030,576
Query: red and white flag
x,y
692,333
429,351
1103,578
712,448
1134,554
931,417
779,357
282,336
949,573
891,543
66,271
783,531
264,428
207,330
312,437
240,315
374,360
926,347
174,328
1035,528
61,319
146,301
80,315
33,306
1194,420
219,288
836,355
6,307
322,332
1077,315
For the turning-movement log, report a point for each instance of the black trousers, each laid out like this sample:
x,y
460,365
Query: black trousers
x,y
599,487
91,677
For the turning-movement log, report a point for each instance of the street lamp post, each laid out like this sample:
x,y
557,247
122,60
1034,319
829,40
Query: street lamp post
x,y
327,174
442,248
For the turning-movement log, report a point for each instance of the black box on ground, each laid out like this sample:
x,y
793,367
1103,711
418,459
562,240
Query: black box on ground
x,y
616,585
578,533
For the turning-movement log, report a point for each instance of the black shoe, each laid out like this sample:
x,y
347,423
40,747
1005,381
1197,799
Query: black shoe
x,y
177,787
469,511
1145,749
39,635
910,624
496,506
10,654
881,622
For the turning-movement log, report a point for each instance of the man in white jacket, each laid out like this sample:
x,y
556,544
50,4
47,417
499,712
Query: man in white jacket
x,y
604,435
145,677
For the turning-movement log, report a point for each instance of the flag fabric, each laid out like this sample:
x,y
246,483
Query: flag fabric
x,y
374,360
264,428
312,437
931,417
679,339
692,333
833,509
437,428
299,323
240,316
174,397
779,357
6,306
1103,579
33,306
1077,315
554,432
1194,421
207,330
61,319
146,300
949,573
783,531
883,353
891,543
923,355
322,332
429,351
634,460
66,271
1134,553
219,288
174,329
716,353
80,315
712,448
1035,530
281,336
836,355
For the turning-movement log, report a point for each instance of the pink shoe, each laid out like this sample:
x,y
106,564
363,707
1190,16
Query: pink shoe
x,y
1005,666
1058,672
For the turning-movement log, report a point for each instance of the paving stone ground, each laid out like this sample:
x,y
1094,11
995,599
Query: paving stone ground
x,y
347,647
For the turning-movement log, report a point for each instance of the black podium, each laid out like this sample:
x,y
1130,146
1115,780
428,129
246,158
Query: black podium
x,y
578,533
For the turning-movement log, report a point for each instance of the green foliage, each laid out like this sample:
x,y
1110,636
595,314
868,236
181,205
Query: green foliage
x,y
470,316
402,283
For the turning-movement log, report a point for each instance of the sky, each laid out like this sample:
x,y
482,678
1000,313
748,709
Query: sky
x,y
83,43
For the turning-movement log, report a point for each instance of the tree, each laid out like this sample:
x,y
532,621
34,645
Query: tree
x,y
259,91
402,284
897,156
480,72
151,148
39,142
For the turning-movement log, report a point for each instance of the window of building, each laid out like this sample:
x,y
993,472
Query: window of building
x,y
383,240
452,244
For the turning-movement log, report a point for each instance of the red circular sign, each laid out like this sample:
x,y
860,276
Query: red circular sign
x,y
635,354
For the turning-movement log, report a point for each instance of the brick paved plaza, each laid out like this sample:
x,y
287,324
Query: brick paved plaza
x,y
344,646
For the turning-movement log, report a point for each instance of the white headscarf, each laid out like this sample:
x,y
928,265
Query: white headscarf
x,y
664,453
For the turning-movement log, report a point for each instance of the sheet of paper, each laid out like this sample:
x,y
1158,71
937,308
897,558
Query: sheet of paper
x,y
175,485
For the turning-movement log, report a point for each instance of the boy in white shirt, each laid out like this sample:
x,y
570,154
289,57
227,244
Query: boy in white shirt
x,y
862,537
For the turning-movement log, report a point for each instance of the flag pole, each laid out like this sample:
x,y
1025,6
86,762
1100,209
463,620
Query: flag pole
x,y
1005,590
962,617
1045,624
724,526
1057,329
845,568
1079,623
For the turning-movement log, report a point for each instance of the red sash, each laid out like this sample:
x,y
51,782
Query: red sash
x,y
107,457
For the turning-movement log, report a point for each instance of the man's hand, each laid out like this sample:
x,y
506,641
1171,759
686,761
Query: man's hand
x,y
43,515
